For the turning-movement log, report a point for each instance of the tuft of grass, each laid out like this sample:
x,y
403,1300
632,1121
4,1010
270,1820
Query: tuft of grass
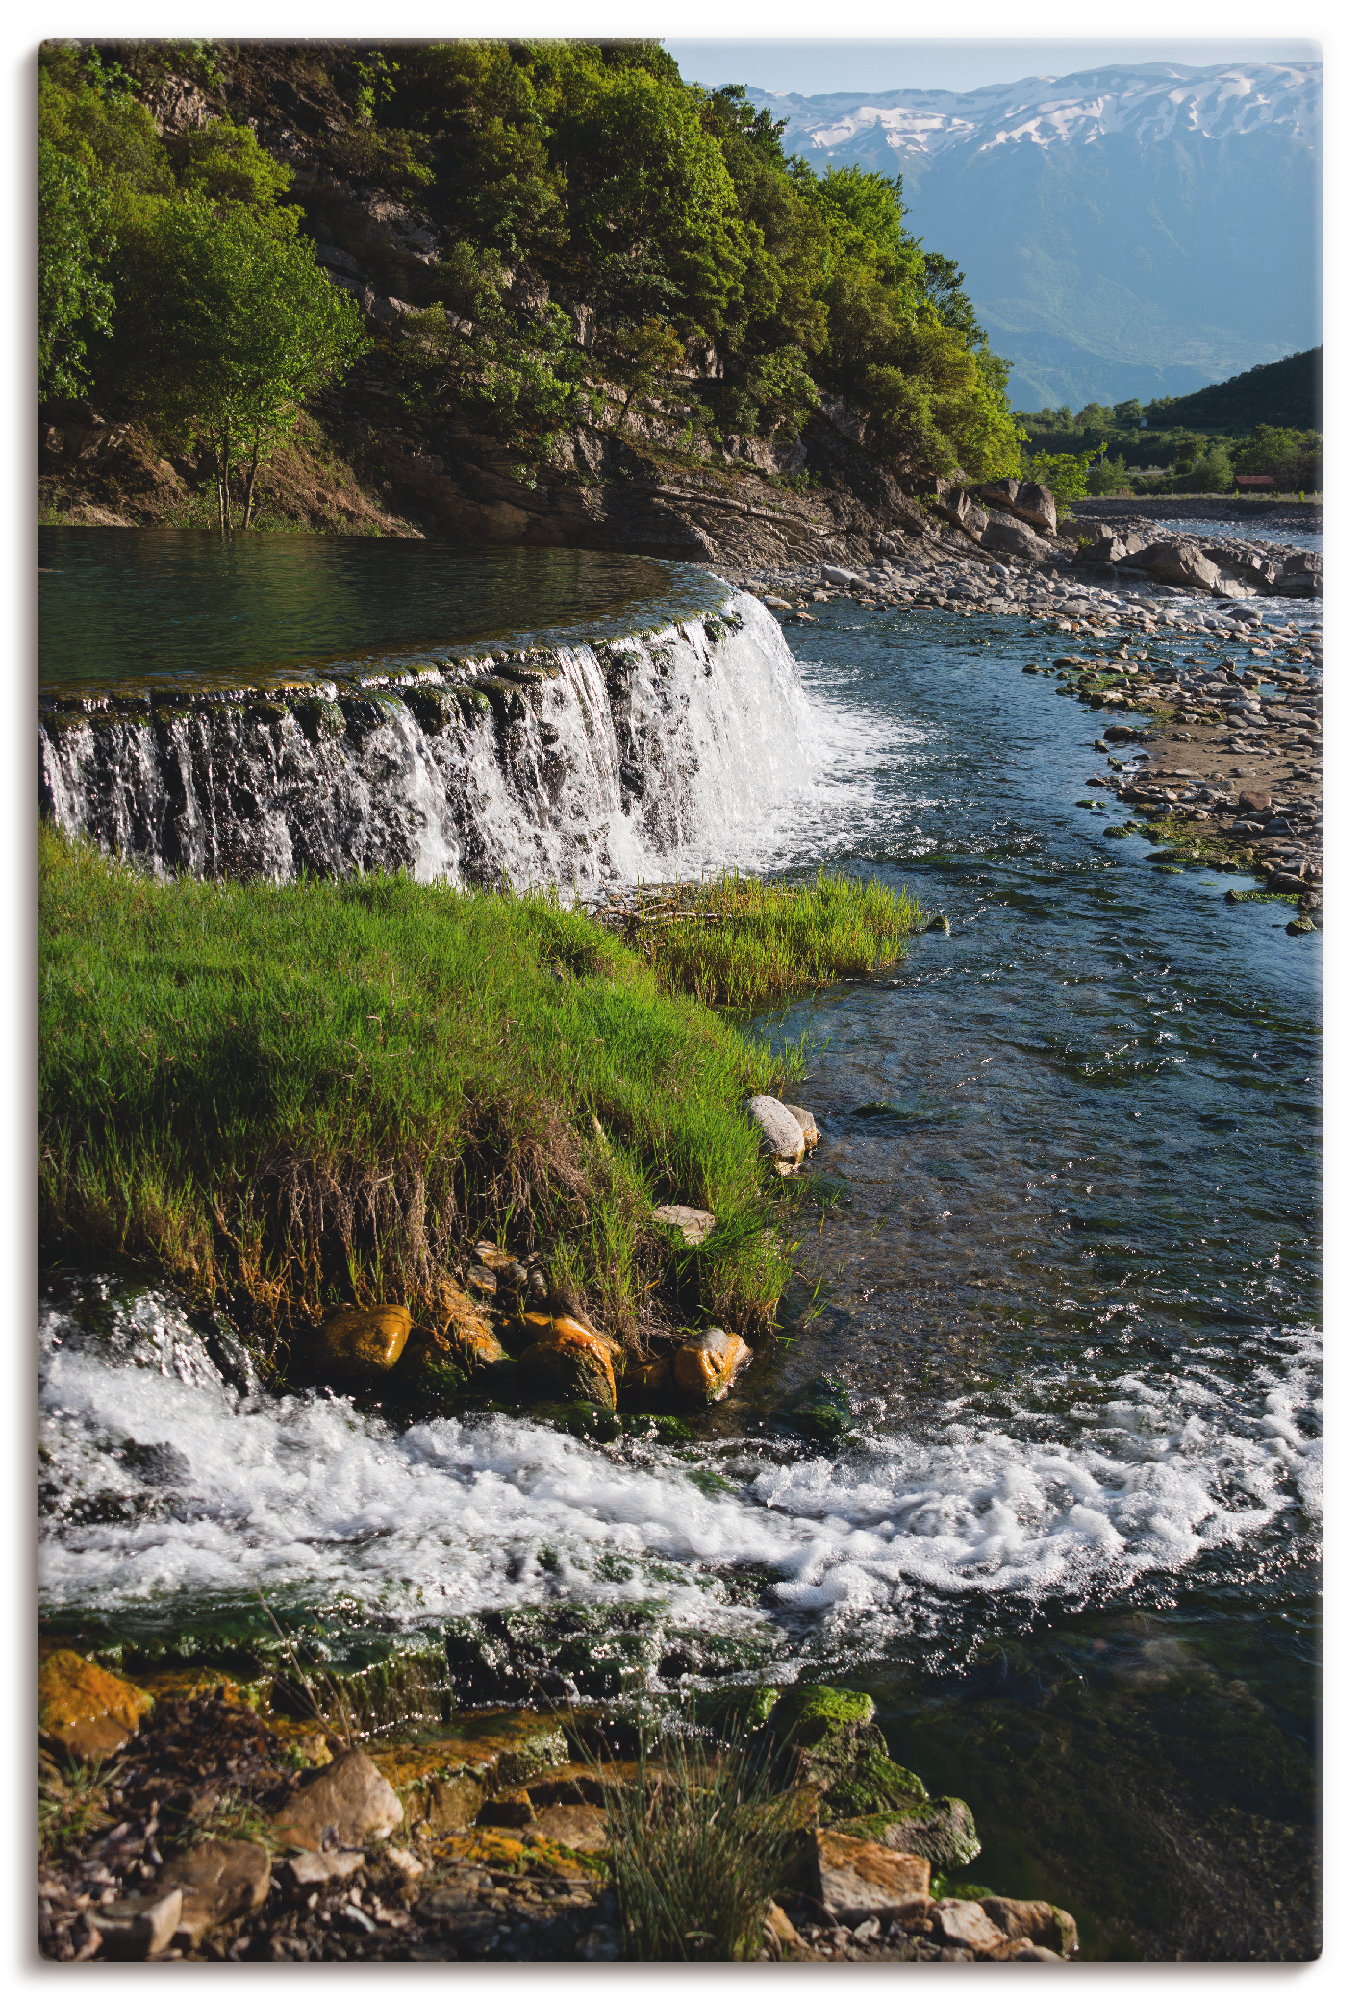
x,y
72,1803
698,1844
289,1097
738,941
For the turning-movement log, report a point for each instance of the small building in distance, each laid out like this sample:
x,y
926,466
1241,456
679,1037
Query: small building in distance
x,y
1252,482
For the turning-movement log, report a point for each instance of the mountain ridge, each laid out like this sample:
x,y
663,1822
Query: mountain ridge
x,y
1114,225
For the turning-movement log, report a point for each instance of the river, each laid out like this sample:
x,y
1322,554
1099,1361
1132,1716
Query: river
x,y
1061,1245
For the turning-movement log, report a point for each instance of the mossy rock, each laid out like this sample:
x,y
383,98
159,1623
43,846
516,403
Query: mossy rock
x,y
736,1711
942,1830
319,719
587,1421
473,701
820,1410
433,708
506,698
267,711
828,1739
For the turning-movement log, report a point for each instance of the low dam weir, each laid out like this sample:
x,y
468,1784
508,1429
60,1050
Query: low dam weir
x,y
567,765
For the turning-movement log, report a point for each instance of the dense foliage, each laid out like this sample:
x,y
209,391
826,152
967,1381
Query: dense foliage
x,y
172,274
1263,423
606,234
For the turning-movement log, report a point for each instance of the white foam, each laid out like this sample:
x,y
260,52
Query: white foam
x,y
459,1517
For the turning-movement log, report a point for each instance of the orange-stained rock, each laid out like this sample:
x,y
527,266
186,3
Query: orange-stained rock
x,y
465,1332
444,1783
704,1369
365,1340
856,1879
88,1711
534,1325
569,1363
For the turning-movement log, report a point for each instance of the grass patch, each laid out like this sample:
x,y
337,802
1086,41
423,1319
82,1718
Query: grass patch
x,y
698,1845
290,1097
738,941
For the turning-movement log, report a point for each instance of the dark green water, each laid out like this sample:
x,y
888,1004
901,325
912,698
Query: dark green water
x,y
161,605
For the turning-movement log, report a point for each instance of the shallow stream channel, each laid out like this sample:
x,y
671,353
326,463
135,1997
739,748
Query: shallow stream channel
x,y
1060,1245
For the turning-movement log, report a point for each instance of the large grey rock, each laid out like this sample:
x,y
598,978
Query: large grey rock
x,y
1178,562
781,1132
958,505
350,1796
1025,498
1013,538
831,574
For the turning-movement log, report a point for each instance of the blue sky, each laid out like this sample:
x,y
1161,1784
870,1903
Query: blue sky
x,y
808,67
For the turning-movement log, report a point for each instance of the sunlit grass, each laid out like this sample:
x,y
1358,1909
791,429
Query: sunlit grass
x,y
740,941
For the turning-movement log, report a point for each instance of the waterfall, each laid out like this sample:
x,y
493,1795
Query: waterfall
x,y
571,765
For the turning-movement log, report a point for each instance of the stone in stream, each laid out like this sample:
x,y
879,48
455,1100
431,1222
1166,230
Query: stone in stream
x,y
568,1362
351,1798
781,1130
85,1710
844,577
465,1332
218,1880
820,1410
704,1370
943,1831
364,1340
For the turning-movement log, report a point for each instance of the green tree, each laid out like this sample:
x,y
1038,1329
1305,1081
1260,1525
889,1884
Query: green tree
x,y
75,300
1064,473
226,328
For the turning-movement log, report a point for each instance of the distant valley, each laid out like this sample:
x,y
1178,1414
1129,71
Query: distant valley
x,y
1136,231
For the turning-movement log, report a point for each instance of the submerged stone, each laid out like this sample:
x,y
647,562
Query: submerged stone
x,y
820,1410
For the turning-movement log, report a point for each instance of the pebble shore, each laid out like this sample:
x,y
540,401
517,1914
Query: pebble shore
x,y
1210,708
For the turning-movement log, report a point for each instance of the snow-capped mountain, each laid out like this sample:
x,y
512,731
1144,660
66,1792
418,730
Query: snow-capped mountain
x,y
1135,230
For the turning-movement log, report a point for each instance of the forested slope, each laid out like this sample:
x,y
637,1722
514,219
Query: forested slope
x,y
509,290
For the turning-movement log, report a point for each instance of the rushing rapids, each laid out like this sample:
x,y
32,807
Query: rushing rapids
x,y
566,765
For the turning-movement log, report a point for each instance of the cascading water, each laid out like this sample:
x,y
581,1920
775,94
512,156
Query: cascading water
x,y
569,766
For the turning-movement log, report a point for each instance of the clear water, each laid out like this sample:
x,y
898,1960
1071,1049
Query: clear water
x,y
1285,534
1061,1244
158,605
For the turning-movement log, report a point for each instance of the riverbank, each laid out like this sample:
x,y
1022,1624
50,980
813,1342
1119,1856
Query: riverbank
x,y
299,1099
1270,509
1222,746
777,1829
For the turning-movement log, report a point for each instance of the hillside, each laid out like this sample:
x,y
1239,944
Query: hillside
x,y
1287,393
1114,226
521,291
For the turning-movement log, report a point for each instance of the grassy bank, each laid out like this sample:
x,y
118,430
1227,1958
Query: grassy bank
x,y
297,1096
740,942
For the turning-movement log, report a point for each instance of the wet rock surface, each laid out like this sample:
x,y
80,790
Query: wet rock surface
x,y
210,1844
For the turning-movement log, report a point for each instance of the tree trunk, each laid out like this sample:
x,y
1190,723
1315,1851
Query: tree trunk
x,y
248,504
